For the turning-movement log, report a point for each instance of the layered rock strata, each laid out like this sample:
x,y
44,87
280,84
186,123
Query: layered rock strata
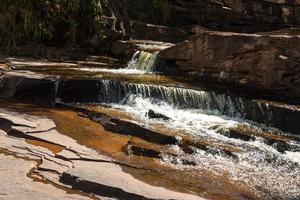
x,y
246,16
269,63
62,163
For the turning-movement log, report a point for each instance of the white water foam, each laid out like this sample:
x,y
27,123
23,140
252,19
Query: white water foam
x,y
295,156
260,168
195,122
114,71
143,61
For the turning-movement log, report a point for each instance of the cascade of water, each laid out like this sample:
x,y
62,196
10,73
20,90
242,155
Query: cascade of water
x,y
256,163
207,101
56,96
186,110
133,62
144,61
210,102
115,92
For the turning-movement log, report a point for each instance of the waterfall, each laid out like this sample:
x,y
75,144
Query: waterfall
x,y
56,95
208,101
56,84
143,61
116,92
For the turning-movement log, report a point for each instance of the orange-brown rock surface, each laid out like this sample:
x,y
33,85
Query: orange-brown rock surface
x,y
269,63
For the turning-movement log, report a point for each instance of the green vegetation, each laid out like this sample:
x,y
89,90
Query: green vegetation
x,y
53,22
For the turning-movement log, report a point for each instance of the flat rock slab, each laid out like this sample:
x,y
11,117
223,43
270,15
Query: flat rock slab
x,y
75,166
27,62
16,185
129,47
110,176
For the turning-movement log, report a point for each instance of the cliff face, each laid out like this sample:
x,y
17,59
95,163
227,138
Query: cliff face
x,y
224,15
236,42
268,63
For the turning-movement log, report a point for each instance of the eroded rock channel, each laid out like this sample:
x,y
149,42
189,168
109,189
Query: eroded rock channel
x,y
194,99
127,133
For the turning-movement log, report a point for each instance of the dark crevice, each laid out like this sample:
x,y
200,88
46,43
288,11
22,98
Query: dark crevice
x,y
98,189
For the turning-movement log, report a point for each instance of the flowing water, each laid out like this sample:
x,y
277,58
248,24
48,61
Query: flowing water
x,y
263,158
259,165
143,61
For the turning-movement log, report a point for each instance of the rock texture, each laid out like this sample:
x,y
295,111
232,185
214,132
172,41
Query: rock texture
x,y
269,63
49,90
27,86
21,186
128,48
73,165
246,16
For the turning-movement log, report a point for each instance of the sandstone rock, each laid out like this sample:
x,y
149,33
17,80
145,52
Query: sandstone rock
x,y
108,180
224,15
27,86
266,63
43,89
140,151
30,62
83,169
127,127
16,185
128,48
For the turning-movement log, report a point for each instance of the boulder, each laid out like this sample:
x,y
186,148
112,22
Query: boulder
x,y
126,127
269,63
27,86
154,115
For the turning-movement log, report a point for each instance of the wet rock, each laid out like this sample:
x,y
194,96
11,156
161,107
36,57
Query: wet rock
x,y
126,127
280,142
140,151
78,90
87,172
128,48
46,90
173,158
27,86
280,146
238,135
191,147
94,64
176,160
154,115
130,128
